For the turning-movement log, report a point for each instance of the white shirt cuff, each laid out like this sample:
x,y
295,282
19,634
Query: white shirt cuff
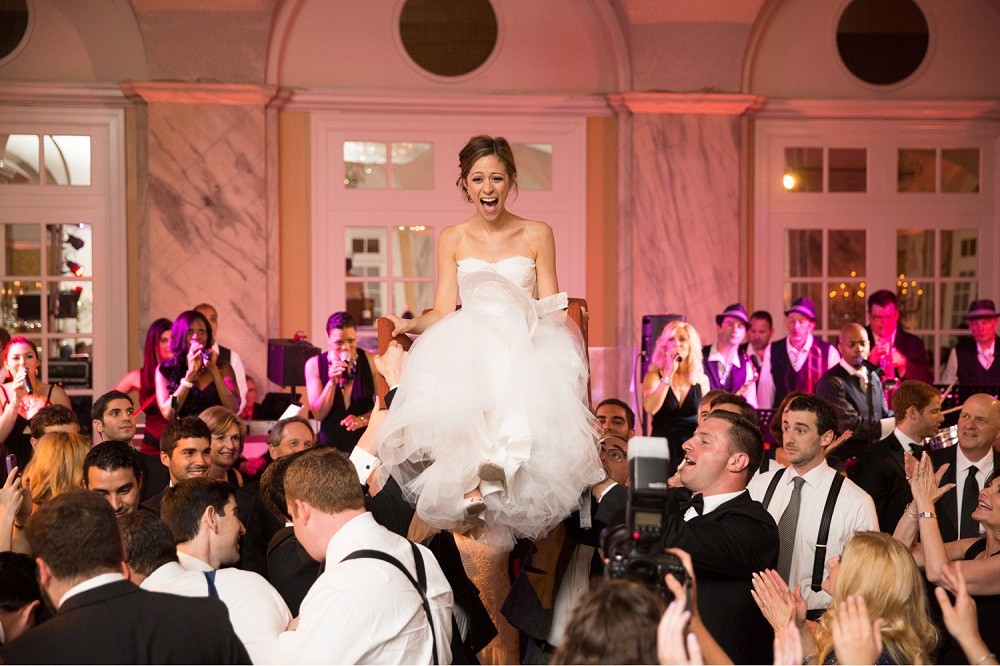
x,y
364,463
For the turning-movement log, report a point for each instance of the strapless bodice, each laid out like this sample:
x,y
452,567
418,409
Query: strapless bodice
x,y
518,269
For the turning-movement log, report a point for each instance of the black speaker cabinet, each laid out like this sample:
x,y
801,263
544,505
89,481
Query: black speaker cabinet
x,y
286,361
652,326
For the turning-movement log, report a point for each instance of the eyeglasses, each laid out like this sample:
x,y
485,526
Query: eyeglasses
x,y
613,453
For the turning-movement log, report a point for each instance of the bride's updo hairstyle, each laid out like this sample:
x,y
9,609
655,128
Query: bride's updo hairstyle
x,y
484,146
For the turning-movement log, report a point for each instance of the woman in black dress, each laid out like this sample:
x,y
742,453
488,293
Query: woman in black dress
x,y
193,379
673,387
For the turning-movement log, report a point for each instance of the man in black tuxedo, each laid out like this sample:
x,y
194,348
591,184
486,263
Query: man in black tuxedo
x,y
978,426
849,386
881,470
185,448
891,345
728,535
102,618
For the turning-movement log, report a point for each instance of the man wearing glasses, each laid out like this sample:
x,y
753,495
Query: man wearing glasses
x,y
893,345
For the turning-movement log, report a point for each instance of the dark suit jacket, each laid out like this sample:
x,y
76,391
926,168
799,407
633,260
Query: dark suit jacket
x,y
947,505
119,623
153,503
261,525
881,474
843,391
727,546
291,570
912,348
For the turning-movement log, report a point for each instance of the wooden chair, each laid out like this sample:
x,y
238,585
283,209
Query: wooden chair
x,y
577,311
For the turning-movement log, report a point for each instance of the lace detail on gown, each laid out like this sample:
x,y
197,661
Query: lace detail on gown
x,y
502,379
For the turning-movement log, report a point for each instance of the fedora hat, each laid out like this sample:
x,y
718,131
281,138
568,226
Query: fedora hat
x,y
804,307
736,311
982,309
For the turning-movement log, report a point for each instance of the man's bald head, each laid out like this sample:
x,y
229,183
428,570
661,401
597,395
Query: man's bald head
x,y
853,344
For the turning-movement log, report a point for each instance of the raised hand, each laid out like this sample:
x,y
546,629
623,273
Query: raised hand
x,y
777,603
856,639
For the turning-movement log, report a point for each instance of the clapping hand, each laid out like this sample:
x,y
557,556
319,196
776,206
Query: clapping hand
x,y
856,639
779,605
925,483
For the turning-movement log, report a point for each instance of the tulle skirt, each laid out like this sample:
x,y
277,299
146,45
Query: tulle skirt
x,y
503,379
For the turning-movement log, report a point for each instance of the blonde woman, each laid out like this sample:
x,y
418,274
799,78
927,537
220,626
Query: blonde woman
x,y
877,590
229,433
673,387
57,466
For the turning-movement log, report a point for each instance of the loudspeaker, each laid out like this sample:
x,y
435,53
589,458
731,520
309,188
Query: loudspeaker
x,y
286,361
652,326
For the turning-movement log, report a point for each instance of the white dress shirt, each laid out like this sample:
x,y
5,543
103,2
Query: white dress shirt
x,y
256,610
90,584
765,384
854,512
711,503
365,611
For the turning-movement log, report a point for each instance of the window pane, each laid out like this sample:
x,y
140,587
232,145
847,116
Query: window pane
x,y
847,303
848,170
67,160
413,254
70,250
955,299
22,306
812,291
71,307
360,305
365,165
803,170
846,256
19,159
960,170
412,297
960,253
413,166
914,253
69,361
916,304
915,170
367,251
22,249
803,253
534,165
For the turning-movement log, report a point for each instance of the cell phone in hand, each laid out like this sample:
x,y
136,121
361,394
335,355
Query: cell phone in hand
x,y
10,462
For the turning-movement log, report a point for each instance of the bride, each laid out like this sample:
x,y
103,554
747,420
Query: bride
x,y
489,426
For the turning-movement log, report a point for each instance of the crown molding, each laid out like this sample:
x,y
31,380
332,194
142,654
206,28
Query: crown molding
x,y
444,104
182,92
695,103
61,94
881,109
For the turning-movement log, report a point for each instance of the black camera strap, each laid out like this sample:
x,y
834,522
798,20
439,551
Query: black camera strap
x,y
420,585
823,537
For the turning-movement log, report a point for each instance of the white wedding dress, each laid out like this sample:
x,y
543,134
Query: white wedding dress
x,y
503,379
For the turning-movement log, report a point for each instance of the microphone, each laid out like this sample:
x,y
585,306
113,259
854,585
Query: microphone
x,y
28,388
678,358
348,374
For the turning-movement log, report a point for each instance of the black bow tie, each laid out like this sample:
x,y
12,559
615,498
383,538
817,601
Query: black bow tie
x,y
918,450
696,501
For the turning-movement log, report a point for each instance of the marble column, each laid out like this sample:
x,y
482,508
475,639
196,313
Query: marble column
x,y
684,205
206,233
